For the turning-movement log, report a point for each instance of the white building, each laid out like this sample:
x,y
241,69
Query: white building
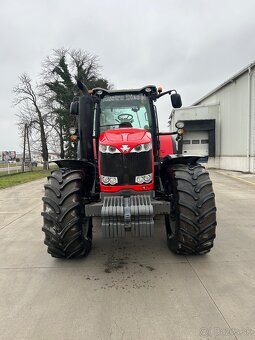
x,y
222,123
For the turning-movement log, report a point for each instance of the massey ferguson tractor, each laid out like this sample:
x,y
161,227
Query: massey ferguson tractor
x,y
127,172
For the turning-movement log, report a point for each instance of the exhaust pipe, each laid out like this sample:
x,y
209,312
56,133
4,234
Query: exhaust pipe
x,y
86,121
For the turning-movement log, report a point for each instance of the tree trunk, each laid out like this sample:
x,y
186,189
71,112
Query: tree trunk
x,y
61,139
45,154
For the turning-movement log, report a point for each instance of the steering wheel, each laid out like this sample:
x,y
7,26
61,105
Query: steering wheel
x,y
125,116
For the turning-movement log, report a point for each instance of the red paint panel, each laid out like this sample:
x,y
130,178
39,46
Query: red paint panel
x,y
129,137
166,146
115,188
125,136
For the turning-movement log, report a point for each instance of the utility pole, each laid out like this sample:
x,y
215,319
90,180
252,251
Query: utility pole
x,y
26,141
24,149
29,151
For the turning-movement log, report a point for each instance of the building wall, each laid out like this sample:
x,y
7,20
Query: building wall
x,y
233,100
236,125
235,122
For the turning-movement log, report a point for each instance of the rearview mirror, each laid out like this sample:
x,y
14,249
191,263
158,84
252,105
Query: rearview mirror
x,y
74,108
176,100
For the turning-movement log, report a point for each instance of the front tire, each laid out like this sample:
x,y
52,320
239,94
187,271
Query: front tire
x,y
68,232
192,222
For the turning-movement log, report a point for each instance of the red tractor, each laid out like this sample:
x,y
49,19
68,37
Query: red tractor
x,y
127,172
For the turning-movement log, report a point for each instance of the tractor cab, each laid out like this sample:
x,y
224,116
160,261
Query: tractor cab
x,y
124,110
124,131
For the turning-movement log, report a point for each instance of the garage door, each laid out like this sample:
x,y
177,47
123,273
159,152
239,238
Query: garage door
x,y
196,143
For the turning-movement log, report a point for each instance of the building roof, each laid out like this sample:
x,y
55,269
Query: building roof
x,y
230,80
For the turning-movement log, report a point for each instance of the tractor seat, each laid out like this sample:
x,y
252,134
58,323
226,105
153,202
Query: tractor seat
x,y
125,125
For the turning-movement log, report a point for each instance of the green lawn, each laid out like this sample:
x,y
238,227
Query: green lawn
x,y
22,177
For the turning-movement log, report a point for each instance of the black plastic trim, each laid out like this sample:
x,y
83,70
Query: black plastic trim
x,y
70,163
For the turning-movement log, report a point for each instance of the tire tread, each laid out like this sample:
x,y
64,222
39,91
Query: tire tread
x,y
63,215
194,212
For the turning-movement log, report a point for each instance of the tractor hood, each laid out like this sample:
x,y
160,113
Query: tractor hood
x,y
125,139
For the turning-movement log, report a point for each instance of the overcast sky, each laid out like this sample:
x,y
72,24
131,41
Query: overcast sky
x,y
192,46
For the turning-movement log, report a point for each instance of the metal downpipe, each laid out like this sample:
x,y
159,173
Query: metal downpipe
x,y
249,122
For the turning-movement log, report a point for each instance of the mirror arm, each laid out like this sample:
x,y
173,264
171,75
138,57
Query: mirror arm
x,y
167,133
82,87
164,93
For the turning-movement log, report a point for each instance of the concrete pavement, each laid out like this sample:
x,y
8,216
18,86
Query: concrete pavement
x,y
130,288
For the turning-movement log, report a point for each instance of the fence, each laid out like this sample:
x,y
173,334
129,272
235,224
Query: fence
x,y
7,168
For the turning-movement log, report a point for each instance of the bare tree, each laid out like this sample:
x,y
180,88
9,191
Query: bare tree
x,y
45,107
30,111
60,71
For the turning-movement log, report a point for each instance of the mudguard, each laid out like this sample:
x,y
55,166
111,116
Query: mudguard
x,y
83,165
75,164
178,159
181,159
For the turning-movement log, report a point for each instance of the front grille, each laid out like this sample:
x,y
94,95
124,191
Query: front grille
x,y
126,166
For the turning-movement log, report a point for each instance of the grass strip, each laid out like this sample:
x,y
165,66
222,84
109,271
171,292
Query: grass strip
x,y
22,177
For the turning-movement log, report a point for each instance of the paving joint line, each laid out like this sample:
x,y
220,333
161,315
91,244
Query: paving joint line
x,y
20,217
74,267
235,177
225,261
210,296
99,266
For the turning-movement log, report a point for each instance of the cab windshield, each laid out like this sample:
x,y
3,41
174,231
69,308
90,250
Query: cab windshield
x,y
125,110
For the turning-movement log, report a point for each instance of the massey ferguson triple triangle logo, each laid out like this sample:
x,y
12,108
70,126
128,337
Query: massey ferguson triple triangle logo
x,y
125,148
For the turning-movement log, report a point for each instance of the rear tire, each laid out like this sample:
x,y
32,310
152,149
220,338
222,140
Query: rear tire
x,y
192,222
68,232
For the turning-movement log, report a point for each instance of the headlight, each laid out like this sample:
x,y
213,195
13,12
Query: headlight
x,y
143,179
72,130
179,125
138,148
147,146
105,179
108,149
147,178
102,148
109,180
113,180
112,149
142,147
139,179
